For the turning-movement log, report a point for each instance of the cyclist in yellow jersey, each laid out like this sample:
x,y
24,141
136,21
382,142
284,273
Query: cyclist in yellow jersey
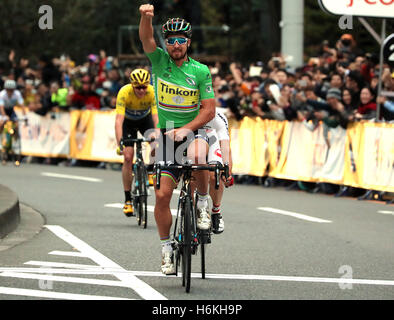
x,y
135,111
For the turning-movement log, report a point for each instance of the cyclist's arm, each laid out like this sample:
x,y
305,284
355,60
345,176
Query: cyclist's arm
x,y
2,112
154,112
120,114
206,114
155,119
208,102
119,127
226,154
146,28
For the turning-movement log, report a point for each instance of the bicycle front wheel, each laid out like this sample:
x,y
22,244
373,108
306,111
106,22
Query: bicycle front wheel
x,y
187,244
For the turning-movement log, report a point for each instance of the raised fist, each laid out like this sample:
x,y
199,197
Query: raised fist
x,y
147,10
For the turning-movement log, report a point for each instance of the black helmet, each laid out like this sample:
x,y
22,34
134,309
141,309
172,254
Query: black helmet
x,y
176,26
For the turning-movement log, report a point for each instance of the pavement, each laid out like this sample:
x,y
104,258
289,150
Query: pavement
x,y
18,222
9,211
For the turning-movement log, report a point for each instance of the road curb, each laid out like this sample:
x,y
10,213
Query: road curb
x,y
9,211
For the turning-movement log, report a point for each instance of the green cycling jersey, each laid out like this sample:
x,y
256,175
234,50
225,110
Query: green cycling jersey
x,y
179,90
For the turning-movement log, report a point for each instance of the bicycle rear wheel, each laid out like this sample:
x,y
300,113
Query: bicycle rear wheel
x,y
143,201
135,192
138,201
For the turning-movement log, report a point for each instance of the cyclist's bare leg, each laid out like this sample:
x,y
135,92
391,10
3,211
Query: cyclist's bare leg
x,y
216,194
127,175
162,211
163,219
197,152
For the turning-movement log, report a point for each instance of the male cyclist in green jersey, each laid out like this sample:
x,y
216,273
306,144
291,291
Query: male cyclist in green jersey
x,y
186,103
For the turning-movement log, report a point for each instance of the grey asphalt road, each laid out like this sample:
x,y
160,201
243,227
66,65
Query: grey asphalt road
x,y
277,244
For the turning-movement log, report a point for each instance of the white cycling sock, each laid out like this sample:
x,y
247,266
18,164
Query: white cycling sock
x,y
166,245
202,201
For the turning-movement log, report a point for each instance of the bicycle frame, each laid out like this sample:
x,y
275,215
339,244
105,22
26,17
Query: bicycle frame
x,y
139,188
186,236
10,134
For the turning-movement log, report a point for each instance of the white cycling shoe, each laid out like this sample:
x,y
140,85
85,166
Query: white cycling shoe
x,y
204,219
167,262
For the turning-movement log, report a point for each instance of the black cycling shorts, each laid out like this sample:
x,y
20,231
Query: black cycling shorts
x,y
131,127
170,151
11,114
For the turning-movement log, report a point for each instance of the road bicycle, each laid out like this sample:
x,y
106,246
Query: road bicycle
x,y
187,237
10,141
140,186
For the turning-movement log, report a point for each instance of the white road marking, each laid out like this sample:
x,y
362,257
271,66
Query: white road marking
x,y
150,208
386,212
114,205
275,278
68,253
140,287
82,271
50,277
294,215
53,295
67,176
69,265
35,271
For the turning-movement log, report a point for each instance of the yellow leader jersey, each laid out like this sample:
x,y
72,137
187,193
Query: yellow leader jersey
x,y
132,107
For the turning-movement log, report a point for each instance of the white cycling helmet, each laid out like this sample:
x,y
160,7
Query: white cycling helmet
x,y
10,85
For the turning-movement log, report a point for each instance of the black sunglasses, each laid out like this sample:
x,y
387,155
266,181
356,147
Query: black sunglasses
x,y
140,87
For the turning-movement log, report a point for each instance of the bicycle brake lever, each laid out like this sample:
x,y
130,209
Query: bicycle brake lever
x,y
217,178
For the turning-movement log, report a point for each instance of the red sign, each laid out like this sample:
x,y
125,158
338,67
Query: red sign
x,y
361,8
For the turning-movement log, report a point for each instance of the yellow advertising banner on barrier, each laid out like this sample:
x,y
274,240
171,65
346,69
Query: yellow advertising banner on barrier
x,y
93,136
303,153
81,134
334,164
360,156
276,135
45,136
377,154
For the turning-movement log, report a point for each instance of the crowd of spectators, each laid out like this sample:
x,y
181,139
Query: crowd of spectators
x,y
339,84
59,84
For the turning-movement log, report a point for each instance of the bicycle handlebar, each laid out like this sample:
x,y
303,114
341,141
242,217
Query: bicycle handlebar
x,y
20,119
138,140
130,142
217,168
